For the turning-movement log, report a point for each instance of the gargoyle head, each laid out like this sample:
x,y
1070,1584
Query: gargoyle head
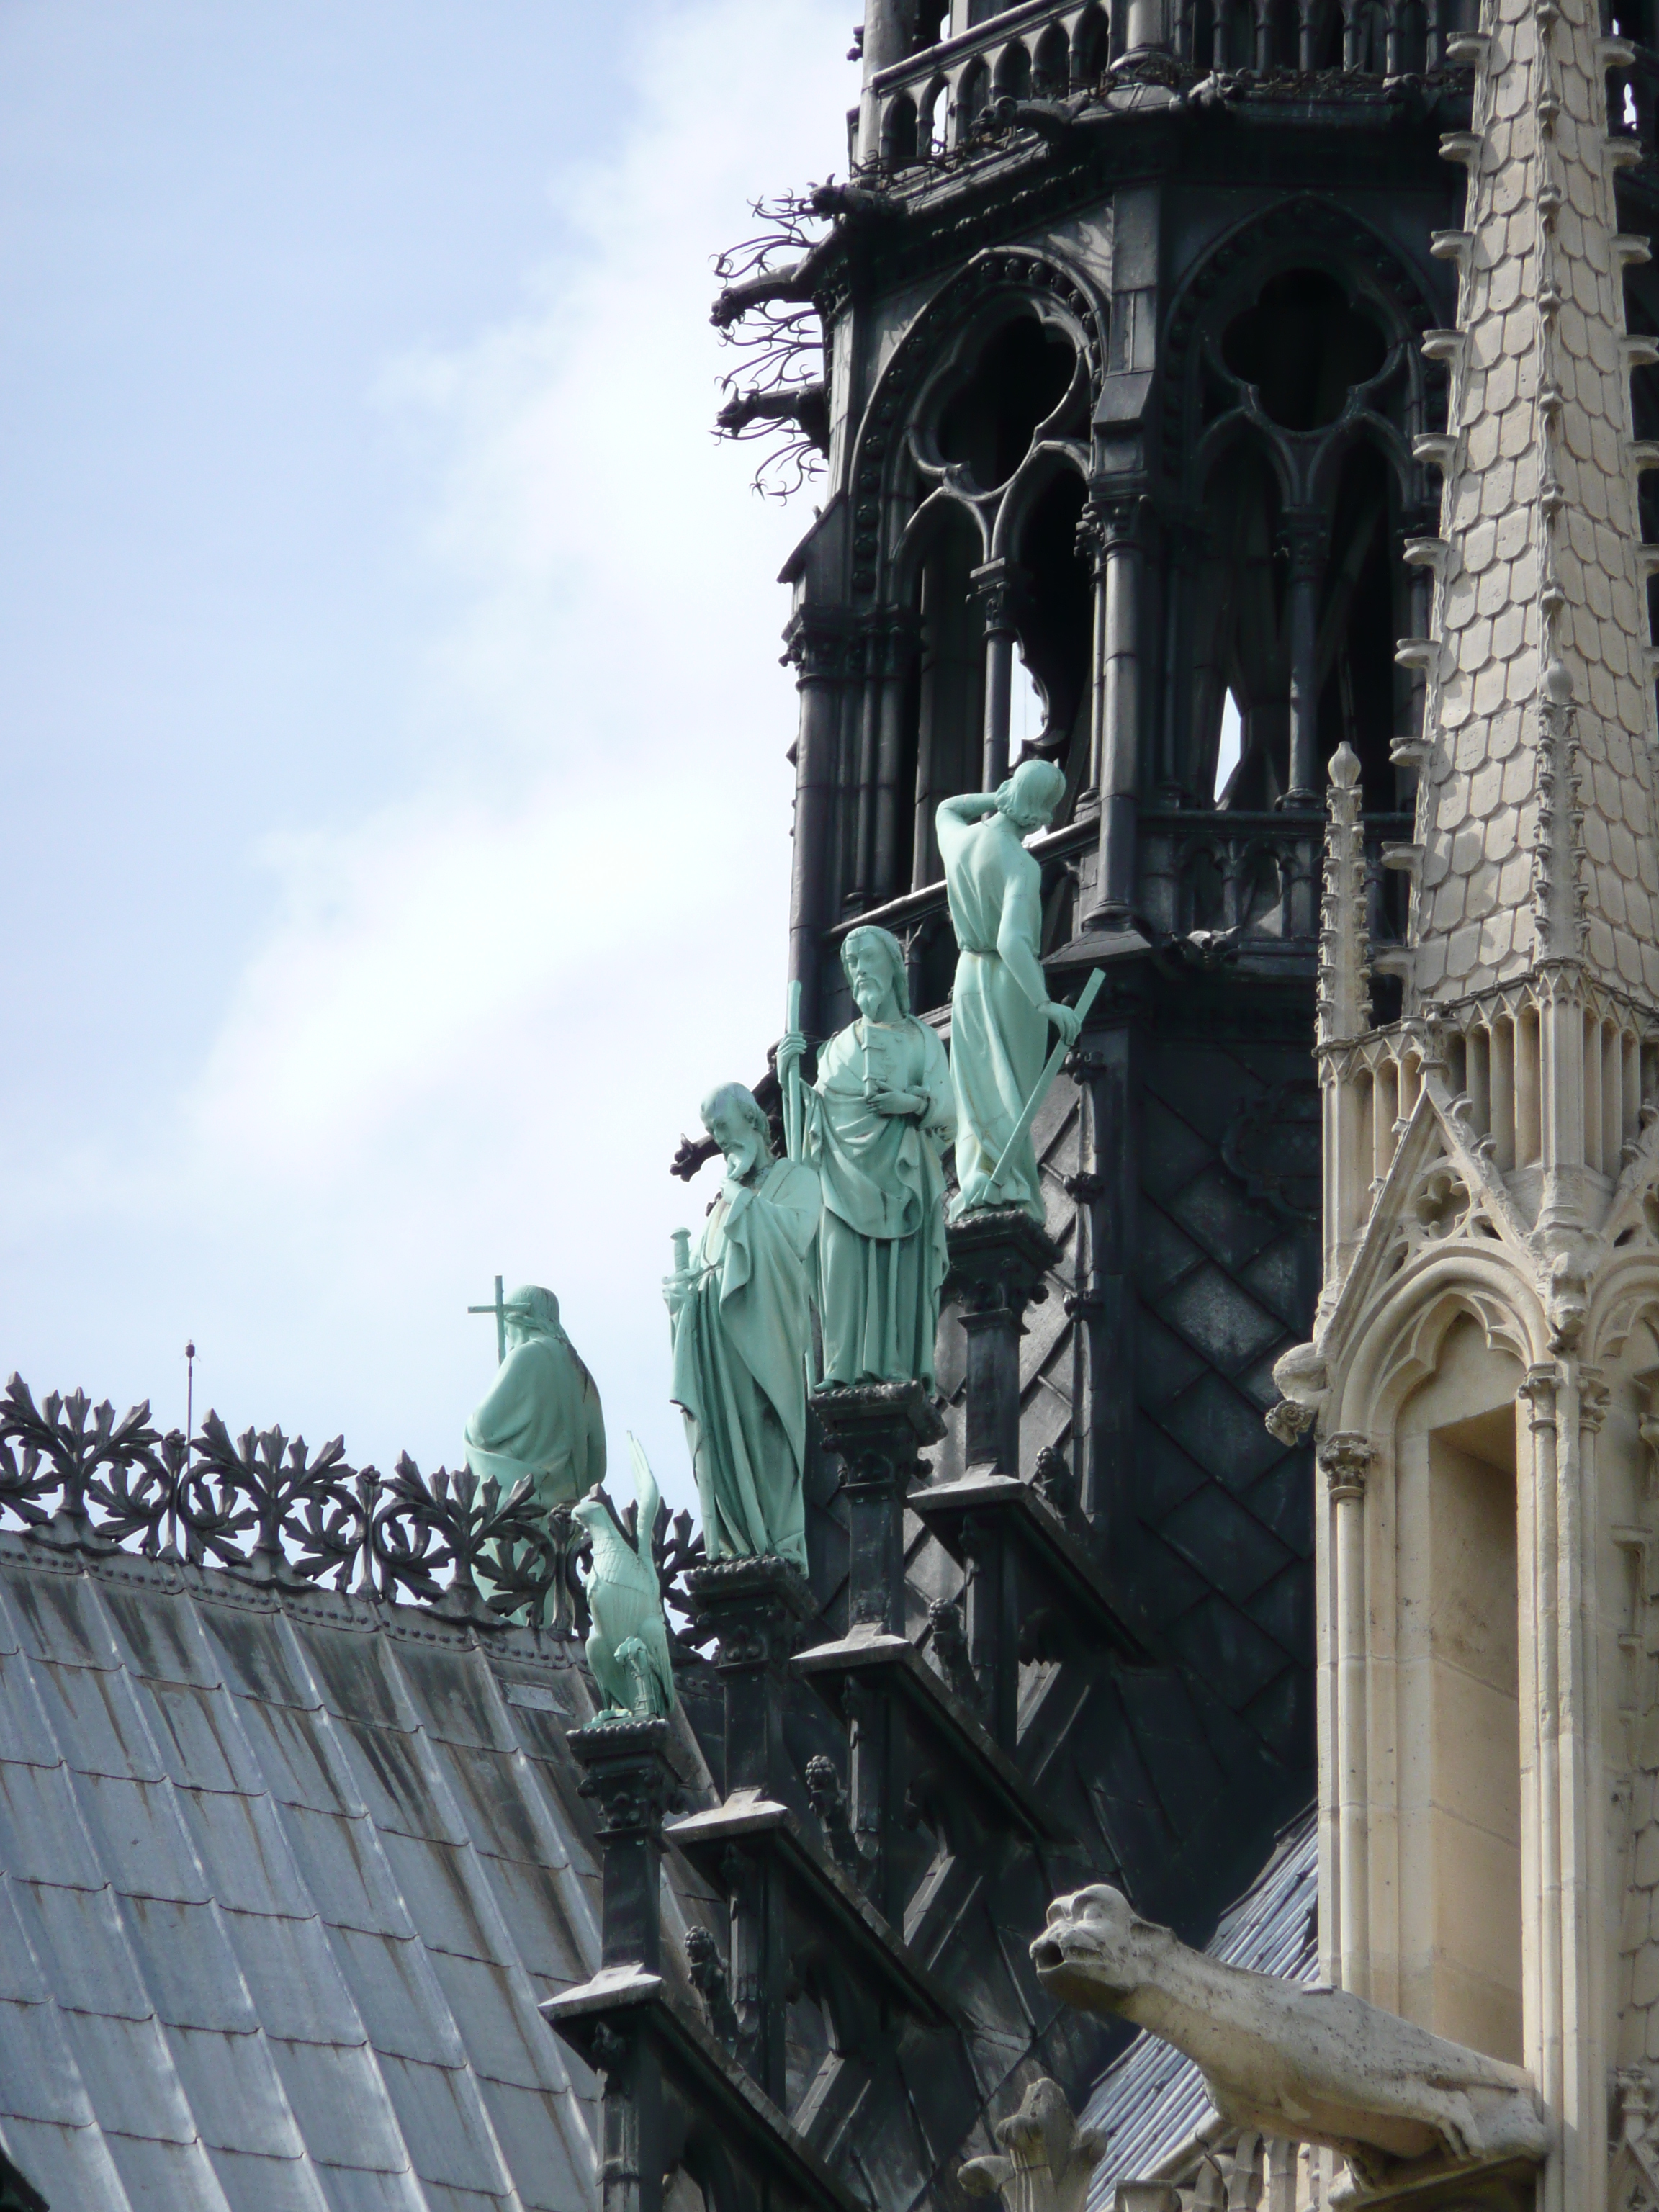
x,y
1091,1951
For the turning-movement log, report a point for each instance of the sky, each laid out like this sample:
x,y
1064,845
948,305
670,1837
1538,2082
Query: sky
x,y
396,803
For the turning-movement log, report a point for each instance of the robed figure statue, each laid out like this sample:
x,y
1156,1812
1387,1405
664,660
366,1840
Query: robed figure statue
x,y
741,1323
1000,1010
541,1416
874,1125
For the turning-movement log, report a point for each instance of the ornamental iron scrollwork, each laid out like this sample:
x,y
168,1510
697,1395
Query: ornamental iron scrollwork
x,y
264,1507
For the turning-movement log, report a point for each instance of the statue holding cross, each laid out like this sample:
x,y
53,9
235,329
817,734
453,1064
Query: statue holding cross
x,y
541,1415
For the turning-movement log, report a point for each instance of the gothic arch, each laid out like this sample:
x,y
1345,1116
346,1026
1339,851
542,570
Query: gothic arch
x,y
1294,387
1625,1294
1399,1346
1054,457
1300,233
963,311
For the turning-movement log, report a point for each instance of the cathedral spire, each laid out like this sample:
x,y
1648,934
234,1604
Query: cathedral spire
x,y
1536,811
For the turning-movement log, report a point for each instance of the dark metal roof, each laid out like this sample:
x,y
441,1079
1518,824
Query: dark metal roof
x,y
1153,2100
282,1879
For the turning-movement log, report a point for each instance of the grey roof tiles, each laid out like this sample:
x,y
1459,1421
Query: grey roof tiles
x,y
280,1888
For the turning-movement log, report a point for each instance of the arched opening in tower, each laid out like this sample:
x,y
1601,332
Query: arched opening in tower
x,y
1055,624
946,708
1019,381
1303,347
1242,649
1363,695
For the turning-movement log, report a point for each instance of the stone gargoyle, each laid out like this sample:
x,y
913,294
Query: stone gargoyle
x,y
1309,2065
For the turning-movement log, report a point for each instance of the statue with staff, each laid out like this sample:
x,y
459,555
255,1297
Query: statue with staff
x,y
541,1417
1000,1010
740,1323
873,1125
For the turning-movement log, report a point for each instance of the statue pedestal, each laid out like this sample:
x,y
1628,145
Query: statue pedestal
x,y
673,2094
902,1718
626,1771
756,1608
878,1431
793,1910
999,1259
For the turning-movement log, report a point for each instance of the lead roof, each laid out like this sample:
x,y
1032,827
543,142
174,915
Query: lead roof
x,y
284,1881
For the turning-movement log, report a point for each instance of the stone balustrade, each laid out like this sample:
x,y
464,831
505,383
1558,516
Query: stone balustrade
x,y
935,103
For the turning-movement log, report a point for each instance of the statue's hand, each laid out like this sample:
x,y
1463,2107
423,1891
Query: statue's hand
x,y
677,1291
792,1047
1066,1020
895,1102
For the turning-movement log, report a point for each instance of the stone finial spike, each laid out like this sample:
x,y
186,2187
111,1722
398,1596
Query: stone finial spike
x,y
1345,1005
1046,2158
1536,811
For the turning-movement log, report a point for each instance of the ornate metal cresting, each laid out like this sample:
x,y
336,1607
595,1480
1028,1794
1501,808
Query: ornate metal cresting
x,y
264,1506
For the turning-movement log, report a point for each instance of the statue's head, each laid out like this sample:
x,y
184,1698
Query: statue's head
x,y
590,1513
531,1312
1091,1951
735,1119
873,961
1031,795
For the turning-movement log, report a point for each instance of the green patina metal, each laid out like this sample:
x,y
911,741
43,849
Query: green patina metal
x,y
741,1330
1000,1009
874,1125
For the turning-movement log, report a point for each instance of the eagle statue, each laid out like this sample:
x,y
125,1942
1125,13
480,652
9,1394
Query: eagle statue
x,y
628,1643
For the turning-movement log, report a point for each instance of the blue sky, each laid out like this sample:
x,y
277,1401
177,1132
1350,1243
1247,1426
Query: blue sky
x,y
396,804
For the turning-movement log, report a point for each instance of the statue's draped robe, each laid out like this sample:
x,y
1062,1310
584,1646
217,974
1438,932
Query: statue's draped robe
x,y
881,1242
542,1417
740,1346
999,1038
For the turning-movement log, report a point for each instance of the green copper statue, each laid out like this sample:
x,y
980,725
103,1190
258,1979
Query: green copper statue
x,y
874,1125
627,1644
1000,1010
541,1416
742,1331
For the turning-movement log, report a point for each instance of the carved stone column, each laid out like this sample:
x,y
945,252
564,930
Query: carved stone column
x,y
1346,1459
898,645
816,642
1538,1607
1304,535
1000,586
1110,532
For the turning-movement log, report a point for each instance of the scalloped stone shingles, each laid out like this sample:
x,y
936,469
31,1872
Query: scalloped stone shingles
x,y
1479,805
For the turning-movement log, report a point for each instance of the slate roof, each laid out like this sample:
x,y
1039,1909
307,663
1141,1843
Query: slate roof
x,y
1153,2100
283,1881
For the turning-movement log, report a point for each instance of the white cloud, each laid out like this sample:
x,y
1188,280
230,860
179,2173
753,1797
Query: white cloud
x,y
478,1018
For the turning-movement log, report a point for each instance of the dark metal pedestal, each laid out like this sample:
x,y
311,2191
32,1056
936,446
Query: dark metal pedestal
x,y
672,2096
999,1262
